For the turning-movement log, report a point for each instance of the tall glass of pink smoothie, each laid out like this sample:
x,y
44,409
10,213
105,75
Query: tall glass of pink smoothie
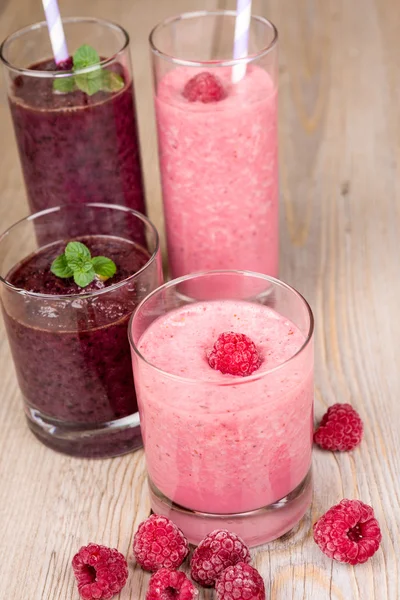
x,y
217,137
224,382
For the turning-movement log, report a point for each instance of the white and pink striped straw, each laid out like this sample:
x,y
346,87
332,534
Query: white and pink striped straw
x,y
56,30
241,43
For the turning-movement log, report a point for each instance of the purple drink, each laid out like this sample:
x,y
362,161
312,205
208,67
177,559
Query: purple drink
x,y
69,343
75,146
81,372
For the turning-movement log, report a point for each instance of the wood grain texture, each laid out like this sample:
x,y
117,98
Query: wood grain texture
x,y
340,224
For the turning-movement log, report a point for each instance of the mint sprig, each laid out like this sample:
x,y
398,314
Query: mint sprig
x,y
95,80
85,56
64,84
78,263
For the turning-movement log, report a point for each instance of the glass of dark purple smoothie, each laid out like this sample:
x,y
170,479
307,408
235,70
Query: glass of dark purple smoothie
x,y
75,147
69,344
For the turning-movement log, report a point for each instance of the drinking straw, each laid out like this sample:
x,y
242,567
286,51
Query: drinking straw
x,y
241,43
56,31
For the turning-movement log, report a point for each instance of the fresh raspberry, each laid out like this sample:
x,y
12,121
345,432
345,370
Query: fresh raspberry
x,y
219,549
100,572
171,585
240,582
341,429
234,353
204,87
65,65
159,543
348,532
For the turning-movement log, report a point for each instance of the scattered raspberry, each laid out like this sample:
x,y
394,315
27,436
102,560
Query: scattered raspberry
x,y
204,87
99,571
159,543
234,353
171,585
240,582
219,549
341,429
348,532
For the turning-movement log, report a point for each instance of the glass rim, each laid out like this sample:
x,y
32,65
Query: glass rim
x,y
230,62
60,74
93,293
197,275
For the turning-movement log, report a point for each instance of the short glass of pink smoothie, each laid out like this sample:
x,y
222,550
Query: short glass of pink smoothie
x,y
217,137
222,450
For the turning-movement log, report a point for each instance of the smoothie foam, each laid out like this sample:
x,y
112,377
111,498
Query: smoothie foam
x,y
219,174
218,443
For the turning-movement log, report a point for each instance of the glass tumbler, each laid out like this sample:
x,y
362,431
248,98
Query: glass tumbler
x,y
70,346
217,137
224,450
75,130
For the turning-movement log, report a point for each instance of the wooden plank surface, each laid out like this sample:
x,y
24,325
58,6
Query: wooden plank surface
x,y
340,226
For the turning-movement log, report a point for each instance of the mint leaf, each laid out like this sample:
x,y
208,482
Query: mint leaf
x,y
77,262
78,257
111,82
82,277
61,268
90,83
85,56
104,267
77,250
64,84
94,80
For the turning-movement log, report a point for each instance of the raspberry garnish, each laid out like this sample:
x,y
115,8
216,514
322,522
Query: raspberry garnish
x,y
171,585
65,65
204,87
219,549
341,429
234,353
100,572
240,582
159,543
348,532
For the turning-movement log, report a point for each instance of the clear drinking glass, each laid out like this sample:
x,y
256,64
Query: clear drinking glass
x,y
217,136
74,146
70,347
226,451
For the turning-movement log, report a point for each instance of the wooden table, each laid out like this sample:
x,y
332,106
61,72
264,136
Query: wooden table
x,y
340,229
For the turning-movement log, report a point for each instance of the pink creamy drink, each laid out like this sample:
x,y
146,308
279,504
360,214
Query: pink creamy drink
x,y
223,444
219,172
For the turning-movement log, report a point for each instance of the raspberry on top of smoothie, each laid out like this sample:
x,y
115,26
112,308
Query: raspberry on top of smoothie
x,y
204,87
234,353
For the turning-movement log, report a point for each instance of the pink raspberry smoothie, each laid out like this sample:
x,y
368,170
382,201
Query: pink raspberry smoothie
x,y
218,443
219,173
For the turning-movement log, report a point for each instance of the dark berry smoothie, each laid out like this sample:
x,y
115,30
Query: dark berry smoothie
x,y
72,354
74,147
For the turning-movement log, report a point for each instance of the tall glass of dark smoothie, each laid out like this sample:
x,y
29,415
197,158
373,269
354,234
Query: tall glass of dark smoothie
x,y
69,343
77,142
